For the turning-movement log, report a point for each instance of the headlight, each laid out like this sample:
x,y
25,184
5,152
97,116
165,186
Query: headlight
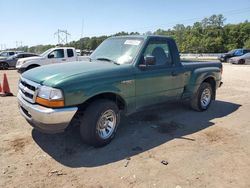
x,y
20,62
50,97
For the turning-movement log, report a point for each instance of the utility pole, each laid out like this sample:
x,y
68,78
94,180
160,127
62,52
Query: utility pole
x,y
3,47
62,36
82,28
19,44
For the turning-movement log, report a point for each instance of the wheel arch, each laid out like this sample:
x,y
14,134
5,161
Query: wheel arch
x,y
116,98
32,66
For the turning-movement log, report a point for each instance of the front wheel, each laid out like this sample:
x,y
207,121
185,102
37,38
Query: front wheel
x,y
4,66
99,123
203,97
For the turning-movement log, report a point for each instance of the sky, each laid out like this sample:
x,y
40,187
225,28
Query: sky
x,y
33,22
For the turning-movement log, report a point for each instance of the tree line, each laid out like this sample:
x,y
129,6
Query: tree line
x,y
210,35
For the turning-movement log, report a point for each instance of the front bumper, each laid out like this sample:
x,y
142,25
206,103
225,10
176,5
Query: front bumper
x,y
44,119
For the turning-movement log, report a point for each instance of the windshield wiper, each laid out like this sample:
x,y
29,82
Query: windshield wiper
x,y
107,59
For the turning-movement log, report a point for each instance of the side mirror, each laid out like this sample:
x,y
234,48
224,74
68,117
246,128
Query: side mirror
x,y
149,60
50,56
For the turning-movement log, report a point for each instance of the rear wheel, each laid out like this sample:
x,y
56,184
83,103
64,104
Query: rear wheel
x,y
241,61
99,123
203,97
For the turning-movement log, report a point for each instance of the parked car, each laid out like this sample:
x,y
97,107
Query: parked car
x,y
12,60
126,74
233,53
241,59
51,56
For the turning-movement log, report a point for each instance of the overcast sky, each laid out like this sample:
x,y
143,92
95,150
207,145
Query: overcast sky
x,y
35,21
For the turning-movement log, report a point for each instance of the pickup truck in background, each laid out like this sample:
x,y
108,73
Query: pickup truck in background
x,y
123,75
51,56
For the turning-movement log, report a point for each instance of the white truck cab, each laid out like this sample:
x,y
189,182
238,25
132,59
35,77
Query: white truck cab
x,y
51,56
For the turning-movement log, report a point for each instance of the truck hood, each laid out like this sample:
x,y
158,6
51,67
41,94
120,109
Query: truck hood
x,y
57,74
31,58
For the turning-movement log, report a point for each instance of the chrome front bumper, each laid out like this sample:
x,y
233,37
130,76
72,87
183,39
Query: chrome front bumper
x,y
47,120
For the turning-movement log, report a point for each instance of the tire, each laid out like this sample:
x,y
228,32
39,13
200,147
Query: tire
x,y
241,61
94,127
203,97
4,66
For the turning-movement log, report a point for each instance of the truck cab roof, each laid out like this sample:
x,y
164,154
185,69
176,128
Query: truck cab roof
x,y
142,36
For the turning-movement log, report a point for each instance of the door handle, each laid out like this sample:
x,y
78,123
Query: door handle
x,y
174,73
63,59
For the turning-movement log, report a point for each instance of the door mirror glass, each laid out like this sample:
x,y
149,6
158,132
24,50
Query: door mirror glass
x,y
149,60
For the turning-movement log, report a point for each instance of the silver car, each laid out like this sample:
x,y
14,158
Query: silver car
x,y
244,59
11,61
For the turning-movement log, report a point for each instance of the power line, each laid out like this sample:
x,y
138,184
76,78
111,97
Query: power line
x,y
168,24
62,36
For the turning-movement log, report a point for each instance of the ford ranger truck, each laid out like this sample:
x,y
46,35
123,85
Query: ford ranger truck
x,y
123,75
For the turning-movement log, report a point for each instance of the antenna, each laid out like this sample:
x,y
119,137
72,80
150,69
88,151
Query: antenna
x,y
62,36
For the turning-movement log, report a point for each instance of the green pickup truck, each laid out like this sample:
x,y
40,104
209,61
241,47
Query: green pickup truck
x,y
123,75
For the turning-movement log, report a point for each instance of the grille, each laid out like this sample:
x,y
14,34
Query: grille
x,y
28,89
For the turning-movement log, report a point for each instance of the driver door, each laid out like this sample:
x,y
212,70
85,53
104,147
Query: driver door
x,y
56,56
160,82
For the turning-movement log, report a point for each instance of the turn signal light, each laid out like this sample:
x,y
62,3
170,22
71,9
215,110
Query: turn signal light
x,y
50,103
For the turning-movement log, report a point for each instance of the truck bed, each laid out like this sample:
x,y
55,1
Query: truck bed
x,y
201,64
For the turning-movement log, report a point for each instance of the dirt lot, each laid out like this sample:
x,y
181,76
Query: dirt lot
x,y
209,149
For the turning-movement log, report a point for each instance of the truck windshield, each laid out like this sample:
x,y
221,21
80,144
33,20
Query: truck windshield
x,y
46,52
119,50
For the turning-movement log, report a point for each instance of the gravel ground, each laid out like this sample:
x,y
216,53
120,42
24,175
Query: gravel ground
x,y
171,146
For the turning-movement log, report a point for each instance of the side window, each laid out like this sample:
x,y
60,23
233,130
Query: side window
x,y
238,52
20,56
160,50
26,55
59,53
11,53
4,54
246,51
70,53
